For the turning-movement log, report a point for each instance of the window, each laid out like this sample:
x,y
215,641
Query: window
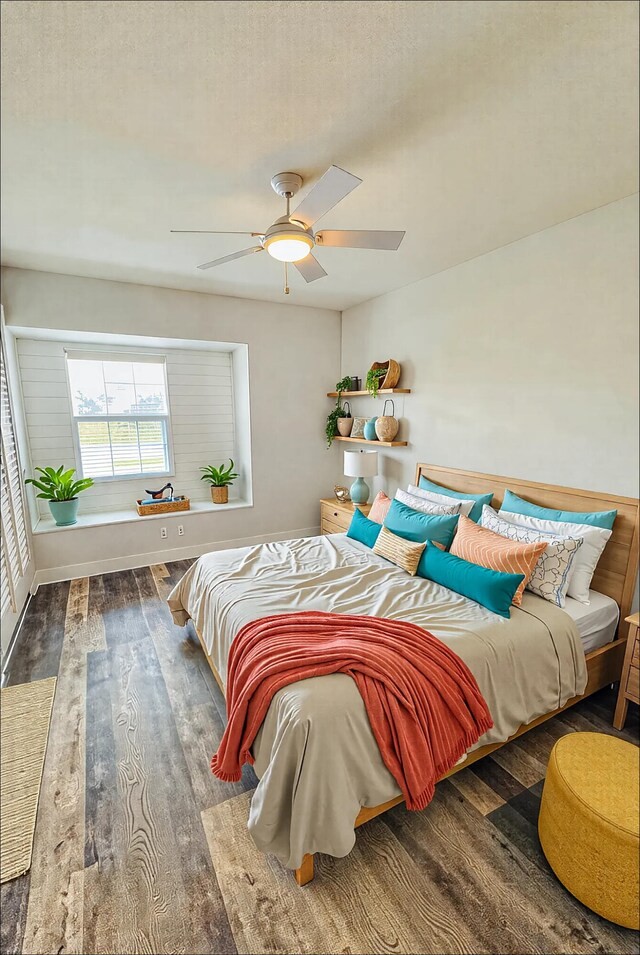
x,y
14,555
120,414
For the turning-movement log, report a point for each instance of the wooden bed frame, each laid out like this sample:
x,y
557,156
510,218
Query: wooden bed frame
x,y
615,576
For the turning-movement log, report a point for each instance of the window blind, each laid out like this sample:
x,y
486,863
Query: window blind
x,y
14,540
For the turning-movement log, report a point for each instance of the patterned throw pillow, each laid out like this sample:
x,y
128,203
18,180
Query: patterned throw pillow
x,y
427,507
379,508
551,575
482,546
466,506
405,554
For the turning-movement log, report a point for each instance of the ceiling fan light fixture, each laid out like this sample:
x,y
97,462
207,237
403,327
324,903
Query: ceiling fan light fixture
x,y
289,247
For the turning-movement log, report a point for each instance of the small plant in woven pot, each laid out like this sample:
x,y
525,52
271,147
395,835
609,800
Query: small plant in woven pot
x,y
219,479
338,412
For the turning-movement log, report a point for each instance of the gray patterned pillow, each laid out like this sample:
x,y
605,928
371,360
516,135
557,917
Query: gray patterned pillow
x,y
551,575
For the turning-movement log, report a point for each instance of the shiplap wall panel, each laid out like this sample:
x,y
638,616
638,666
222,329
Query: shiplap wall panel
x,y
201,419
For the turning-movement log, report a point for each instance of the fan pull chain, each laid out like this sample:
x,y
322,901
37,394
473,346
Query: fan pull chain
x,y
286,280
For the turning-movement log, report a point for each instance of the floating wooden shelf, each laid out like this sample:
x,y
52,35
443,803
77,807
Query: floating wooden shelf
x,y
380,444
382,391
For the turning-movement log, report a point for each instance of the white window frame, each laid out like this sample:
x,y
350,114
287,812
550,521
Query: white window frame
x,y
129,419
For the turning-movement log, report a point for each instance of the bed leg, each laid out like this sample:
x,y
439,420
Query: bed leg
x,y
305,873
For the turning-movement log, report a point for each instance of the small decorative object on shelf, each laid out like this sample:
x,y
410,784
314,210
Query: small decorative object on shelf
x,y
163,505
341,493
61,491
345,424
370,430
356,383
382,374
387,425
360,464
219,479
158,495
338,412
357,431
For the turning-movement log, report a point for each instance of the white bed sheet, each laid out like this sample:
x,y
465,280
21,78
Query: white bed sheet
x,y
596,622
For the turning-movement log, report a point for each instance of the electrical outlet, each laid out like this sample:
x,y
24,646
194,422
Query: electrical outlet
x,y
163,532
180,530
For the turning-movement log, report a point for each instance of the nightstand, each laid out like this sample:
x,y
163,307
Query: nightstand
x,y
335,517
630,679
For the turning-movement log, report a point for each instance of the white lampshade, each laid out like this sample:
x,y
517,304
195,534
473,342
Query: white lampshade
x,y
360,463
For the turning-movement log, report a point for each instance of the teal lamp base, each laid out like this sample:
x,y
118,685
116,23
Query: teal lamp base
x,y
359,491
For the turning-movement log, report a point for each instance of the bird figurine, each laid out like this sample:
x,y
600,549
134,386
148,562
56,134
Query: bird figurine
x,y
158,495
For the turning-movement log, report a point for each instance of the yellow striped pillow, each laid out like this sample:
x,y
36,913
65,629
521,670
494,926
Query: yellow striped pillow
x,y
481,546
403,553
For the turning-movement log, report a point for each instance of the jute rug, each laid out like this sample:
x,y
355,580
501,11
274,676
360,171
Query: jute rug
x,y
25,712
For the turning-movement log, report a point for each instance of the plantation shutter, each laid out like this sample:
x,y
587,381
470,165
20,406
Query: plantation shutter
x,y
14,555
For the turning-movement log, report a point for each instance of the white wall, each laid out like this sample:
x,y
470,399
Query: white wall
x,y
523,362
294,356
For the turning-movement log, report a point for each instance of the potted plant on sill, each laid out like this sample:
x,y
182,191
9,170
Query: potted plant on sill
x,y
219,479
61,491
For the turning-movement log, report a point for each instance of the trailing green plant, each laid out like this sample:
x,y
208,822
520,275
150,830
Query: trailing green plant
x,y
338,412
59,485
374,376
219,477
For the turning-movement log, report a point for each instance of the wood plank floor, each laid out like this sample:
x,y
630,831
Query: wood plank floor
x,y
138,847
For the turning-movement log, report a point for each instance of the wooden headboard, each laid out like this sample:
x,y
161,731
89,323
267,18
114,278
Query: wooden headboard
x,y
617,570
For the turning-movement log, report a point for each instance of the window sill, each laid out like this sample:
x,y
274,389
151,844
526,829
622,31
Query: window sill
x,y
47,525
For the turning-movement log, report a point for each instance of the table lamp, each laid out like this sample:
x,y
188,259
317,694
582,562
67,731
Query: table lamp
x,y
360,464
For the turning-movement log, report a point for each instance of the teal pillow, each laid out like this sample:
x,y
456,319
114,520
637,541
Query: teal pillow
x,y
416,526
516,505
490,588
362,529
481,499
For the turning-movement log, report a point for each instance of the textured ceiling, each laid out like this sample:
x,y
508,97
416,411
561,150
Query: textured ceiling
x,y
472,124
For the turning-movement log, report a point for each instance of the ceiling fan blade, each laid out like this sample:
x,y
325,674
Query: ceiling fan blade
x,y
209,232
356,239
310,269
327,192
230,258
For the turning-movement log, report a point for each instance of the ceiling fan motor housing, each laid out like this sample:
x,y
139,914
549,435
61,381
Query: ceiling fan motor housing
x,y
286,184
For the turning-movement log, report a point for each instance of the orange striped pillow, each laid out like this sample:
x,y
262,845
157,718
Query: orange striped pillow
x,y
481,546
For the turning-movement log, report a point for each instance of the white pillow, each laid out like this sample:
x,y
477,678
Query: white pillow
x,y
594,541
426,507
465,506
552,574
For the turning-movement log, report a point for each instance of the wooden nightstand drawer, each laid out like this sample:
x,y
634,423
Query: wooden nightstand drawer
x,y
335,515
633,683
630,676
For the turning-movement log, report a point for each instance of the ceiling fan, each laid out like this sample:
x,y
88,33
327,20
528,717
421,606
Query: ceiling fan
x,y
291,238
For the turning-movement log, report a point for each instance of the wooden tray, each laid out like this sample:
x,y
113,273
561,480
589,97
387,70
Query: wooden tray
x,y
163,507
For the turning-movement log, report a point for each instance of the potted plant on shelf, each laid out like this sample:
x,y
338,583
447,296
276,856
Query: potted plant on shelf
x,y
219,479
338,412
374,376
61,491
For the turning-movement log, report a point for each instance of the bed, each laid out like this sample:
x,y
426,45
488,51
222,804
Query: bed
x,y
318,782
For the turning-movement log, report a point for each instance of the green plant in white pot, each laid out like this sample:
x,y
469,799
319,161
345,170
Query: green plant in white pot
x,y
61,491
219,479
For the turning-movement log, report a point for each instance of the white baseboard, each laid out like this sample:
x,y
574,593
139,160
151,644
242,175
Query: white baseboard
x,y
53,575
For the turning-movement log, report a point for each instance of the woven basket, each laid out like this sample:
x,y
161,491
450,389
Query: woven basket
x,y
392,376
387,425
219,495
163,507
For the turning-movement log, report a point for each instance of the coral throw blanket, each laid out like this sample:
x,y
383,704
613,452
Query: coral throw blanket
x,y
423,703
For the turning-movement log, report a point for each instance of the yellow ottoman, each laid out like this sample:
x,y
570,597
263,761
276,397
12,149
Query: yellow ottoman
x,y
589,822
